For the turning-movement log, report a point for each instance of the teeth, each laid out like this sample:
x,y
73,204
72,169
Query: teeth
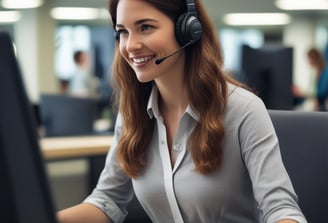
x,y
142,60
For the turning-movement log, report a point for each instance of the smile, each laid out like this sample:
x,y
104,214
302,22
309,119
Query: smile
x,y
142,59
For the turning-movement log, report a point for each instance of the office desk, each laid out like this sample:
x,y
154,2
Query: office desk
x,y
91,148
57,148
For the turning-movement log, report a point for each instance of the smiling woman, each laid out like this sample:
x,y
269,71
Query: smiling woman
x,y
142,39
191,143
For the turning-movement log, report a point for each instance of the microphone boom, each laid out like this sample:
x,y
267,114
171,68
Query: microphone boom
x,y
160,60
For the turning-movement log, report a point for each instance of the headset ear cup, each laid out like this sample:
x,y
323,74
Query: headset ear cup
x,y
179,29
194,29
187,28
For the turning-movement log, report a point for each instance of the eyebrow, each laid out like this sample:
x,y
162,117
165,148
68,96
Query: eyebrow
x,y
138,22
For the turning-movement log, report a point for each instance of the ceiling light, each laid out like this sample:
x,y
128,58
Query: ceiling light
x,y
73,13
302,4
9,16
19,4
256,19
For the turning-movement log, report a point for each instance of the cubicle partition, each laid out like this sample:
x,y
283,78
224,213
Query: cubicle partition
x,y
63,115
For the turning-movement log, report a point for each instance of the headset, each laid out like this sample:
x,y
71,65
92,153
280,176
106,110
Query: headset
x,y
188,28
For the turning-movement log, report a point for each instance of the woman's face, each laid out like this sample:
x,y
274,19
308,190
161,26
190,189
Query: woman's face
x,y
146,34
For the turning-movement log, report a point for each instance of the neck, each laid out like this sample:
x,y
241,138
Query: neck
x,y
173,101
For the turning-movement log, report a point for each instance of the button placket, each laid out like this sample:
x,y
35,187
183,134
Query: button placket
x,y
168,174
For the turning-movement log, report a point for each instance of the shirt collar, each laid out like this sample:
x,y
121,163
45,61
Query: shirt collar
x,y
153,109
152,106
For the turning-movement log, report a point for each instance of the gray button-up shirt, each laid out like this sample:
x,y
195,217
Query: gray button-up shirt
x,y
251,186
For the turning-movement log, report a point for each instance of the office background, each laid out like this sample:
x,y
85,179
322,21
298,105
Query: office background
x,y
44,43
44,46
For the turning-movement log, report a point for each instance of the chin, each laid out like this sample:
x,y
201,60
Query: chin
x,y
144,78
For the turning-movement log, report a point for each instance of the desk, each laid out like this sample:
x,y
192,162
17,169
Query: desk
x,y
57,148
92,148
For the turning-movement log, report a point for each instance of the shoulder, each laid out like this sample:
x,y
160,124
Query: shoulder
x,y
325,72
243,106
241,99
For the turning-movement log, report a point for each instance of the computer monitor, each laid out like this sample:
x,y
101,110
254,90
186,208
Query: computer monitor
x,y
25,194
64,115
268,71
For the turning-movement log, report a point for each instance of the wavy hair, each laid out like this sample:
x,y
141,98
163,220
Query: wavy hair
x,y
207,90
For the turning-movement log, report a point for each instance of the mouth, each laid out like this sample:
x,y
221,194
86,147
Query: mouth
x,y
142,60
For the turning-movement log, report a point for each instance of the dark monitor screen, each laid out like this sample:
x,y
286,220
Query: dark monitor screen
x,y
268,71
24,190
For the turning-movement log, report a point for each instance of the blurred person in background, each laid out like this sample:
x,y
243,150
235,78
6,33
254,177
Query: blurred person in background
x,y
317,61
83,83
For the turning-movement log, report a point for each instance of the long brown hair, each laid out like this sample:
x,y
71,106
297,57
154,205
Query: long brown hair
x,y
207,91
316,59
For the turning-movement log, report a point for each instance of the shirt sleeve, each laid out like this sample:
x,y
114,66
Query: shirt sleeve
x,y
271,184
322,91
114,188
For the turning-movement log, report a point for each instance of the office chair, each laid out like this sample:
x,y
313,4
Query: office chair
x,y
303,138
63,115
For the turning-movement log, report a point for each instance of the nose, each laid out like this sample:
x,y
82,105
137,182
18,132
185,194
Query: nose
x,y
133,43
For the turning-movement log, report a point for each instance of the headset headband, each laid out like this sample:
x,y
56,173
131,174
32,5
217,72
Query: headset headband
x,y
191,7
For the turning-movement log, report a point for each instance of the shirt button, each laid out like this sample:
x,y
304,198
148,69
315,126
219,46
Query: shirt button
x,y
177,147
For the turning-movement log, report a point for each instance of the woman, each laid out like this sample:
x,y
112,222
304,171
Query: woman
x,y
189,142
317,61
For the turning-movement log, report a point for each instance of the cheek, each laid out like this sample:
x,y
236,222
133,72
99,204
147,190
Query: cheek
x,y
164,44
